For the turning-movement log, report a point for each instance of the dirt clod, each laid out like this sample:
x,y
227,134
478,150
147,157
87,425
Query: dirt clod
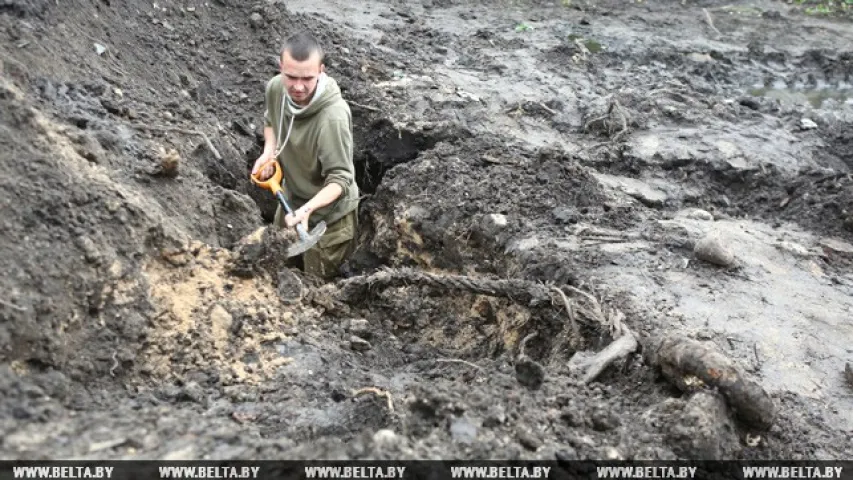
x,y
703,429
712,249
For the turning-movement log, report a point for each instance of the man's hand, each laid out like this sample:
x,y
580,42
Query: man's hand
x,y
299,216
265,157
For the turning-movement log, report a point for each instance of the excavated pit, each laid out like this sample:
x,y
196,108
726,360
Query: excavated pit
x,y
147,315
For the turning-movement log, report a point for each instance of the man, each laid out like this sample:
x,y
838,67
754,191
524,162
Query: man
x,y
308,128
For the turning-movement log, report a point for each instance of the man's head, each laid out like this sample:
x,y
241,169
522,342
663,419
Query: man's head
x,y
301,66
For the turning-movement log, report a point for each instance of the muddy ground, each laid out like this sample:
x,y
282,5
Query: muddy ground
x,y
574,144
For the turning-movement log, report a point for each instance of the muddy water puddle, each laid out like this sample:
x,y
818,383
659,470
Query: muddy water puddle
x,y
818,96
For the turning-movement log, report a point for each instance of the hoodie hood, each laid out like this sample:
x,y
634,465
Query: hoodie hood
x,y
327,92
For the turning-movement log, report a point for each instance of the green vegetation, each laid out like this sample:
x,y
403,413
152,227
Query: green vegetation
x,y
826,7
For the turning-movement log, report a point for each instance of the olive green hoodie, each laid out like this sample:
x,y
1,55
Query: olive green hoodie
x,y
319,146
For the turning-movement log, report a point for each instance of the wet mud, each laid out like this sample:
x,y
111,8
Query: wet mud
x,y
546,183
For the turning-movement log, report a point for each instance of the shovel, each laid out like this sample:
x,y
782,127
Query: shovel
x,y
306,239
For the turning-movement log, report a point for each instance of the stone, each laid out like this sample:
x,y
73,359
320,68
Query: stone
x,y
711,249
494,223
256,20
169,161
528,440
529,373
463,431
572,417
359,344
836,246
604,420
646,194
703,429
385,438
565,215
360,328
699,214
496,415
807,124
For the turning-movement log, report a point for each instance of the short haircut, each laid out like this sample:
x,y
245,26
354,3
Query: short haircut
x,y
301,46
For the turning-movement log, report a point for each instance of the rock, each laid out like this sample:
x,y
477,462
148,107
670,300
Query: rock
x,y
567,454
220,324
495,416
572,417
19,73
192,391
710,249
182,451
528,440
611,453
565,215
700,57
703,429
169,161
604,420
807,124
386,438
256,20
646,194
90,250
359,344
360,328
750,103
529,373
463,431
836,246
848,374
523,245
290,288
106,445
493,223
699,214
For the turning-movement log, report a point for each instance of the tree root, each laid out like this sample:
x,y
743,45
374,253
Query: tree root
x,y
689,364
518,290
617,350
378,393
686,363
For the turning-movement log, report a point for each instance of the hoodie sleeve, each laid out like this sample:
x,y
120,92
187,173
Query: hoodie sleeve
x,y
268,102
335,154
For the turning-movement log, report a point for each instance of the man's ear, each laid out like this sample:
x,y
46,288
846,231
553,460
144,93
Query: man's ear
x,y
322,67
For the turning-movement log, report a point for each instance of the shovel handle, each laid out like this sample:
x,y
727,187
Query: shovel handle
x,y
273,183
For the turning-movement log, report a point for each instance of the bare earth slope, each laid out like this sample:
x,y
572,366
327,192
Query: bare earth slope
x,y
145,314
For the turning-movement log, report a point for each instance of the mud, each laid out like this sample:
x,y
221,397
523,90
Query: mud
x,y
146,315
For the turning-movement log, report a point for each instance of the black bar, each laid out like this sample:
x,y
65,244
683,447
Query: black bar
x,y
422,470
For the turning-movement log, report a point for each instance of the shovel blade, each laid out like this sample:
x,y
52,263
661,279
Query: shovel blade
x,y
305,242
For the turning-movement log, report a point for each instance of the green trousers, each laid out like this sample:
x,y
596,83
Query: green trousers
x,y
335,246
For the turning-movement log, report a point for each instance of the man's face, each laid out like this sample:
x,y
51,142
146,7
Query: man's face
x,y
300,78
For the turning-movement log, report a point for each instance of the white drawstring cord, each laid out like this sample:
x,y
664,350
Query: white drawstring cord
x,y
281,122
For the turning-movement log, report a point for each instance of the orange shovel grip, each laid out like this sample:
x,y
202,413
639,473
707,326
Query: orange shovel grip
x,y
273,183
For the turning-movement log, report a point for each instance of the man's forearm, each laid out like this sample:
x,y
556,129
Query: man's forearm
x,y
324,197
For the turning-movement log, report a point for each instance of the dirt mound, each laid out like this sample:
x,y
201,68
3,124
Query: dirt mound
x,y
535,183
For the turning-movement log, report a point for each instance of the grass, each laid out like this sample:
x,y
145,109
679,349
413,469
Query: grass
x,y
826,7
